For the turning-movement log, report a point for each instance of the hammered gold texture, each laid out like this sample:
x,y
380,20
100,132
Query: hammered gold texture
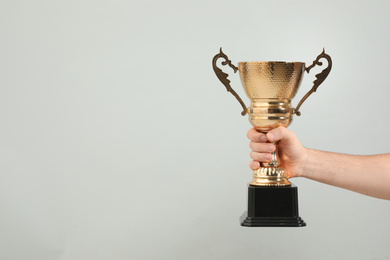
x,y
271,79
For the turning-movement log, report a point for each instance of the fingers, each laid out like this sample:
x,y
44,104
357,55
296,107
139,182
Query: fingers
x,y
261,150
261,157
281,133
254,165
256,136
262,147
272,136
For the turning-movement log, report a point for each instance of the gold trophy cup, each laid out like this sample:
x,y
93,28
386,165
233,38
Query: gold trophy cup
x,y
271,85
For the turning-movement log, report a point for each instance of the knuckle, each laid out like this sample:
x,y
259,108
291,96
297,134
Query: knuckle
x,y
253,155
253,165
253,146
251,134
292,134
282,130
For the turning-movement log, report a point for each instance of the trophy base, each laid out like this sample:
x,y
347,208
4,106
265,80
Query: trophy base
x,y
271,222
272,207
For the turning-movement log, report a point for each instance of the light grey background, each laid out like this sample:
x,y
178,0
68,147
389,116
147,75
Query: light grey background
x,y
117,141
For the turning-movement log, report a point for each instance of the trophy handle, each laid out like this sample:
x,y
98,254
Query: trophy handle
x,y
223,77
320,77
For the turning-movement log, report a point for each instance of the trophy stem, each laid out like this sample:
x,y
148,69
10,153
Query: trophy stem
x,y
274,162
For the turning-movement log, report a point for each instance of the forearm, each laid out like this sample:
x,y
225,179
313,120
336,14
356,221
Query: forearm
x,y
368,175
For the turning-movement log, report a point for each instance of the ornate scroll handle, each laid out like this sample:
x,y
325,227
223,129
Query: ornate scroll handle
x,y
320,77
223,77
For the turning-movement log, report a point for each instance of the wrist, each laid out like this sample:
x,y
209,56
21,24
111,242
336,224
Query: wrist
x,y
307,155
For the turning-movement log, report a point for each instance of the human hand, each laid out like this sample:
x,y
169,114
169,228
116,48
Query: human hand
x,y
292,154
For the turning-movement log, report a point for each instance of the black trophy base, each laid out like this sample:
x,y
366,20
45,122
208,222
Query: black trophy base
x,y
272,207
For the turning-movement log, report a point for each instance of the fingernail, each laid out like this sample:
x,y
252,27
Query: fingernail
x,y
268,157
263,138
270,136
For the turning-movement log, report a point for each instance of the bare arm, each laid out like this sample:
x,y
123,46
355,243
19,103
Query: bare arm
x,y
369,174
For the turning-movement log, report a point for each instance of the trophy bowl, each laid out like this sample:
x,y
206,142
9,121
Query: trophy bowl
x,y
270,87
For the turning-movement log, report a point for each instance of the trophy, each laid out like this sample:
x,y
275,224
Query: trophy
x,y
271,85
